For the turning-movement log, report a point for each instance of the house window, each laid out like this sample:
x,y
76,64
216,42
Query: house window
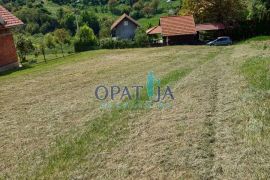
x,y
125,23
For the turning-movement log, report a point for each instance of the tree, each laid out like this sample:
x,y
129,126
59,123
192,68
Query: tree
x,y
24,47
61,37
260,10
138,5
42,49
85,39
90,19
224,11
60,13
36,17
32,28
154,4
148,10
49,41
69,22
105,30
112,3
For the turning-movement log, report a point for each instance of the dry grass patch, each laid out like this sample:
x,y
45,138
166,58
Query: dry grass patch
x,y
44,103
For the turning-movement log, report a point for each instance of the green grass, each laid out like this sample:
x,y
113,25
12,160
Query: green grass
x,y
257,72
258,38
152,21
43,66
174,76
100,134
255,39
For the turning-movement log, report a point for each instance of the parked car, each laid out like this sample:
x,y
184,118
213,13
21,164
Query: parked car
x,y
221,41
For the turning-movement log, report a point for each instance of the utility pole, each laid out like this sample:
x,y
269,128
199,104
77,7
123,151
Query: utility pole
x,y
76,11
77,23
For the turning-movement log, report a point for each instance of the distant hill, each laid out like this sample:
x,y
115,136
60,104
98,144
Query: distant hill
x,y
45,16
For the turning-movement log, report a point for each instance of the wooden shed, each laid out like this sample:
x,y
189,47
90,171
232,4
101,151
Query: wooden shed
x,y
8,55
124,27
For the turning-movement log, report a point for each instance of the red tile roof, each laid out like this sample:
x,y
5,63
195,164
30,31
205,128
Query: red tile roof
x,y
154,30
209,26
177,25
7,19
121,18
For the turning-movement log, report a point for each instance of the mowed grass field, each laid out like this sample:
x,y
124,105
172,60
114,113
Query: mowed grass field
x,y
52,126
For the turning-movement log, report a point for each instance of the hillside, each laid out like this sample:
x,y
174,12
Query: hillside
x,y
217,127
146,12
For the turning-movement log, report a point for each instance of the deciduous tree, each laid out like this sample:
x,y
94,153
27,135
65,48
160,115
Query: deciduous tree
x,y
61,37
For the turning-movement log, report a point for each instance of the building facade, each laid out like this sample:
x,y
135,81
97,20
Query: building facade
x,y
124,27
8,55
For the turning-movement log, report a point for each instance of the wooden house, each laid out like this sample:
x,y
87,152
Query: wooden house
x,y
124,27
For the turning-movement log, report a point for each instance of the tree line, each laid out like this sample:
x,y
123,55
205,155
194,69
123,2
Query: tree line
x,y
243,18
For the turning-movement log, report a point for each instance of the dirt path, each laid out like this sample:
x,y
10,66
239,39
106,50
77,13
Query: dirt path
x,y
194,140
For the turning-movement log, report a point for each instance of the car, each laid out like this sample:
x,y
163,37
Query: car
x,y
221,41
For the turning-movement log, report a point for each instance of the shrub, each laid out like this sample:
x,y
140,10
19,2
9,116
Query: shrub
x,y
85,39
136,14
24,47
110,43
141,38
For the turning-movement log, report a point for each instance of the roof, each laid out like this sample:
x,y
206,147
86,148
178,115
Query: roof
x,y
177,25
154,30
121,18
210,26
7,19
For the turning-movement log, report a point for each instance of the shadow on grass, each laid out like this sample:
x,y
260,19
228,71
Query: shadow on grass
x,y
8,72
31,65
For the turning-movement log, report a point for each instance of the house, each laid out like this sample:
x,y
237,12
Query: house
x,y
182,30
124,27
175,30
8,56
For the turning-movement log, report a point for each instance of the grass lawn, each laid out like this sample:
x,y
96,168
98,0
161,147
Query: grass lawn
x,y
52,125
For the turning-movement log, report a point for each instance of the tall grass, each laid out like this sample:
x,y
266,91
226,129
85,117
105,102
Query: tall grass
x,y
257,72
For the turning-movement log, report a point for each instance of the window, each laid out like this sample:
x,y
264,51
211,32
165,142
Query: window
x,y
221,39
125,23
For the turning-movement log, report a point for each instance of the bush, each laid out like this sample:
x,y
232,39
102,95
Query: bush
x,y
110,43
85,39
90,19
136,14
141,38
24,47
